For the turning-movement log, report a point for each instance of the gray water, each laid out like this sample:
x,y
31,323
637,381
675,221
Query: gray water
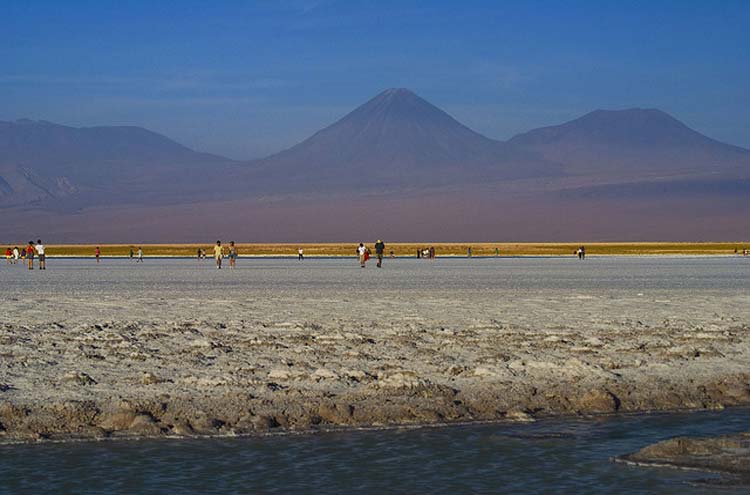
x,y
560,456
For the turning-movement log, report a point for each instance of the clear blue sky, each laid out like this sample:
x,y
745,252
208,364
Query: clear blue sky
x,y
248,78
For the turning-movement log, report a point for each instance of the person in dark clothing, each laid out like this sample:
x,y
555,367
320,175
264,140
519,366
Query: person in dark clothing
x,y
379,250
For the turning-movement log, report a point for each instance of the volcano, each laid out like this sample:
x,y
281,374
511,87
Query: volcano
x,y
397,140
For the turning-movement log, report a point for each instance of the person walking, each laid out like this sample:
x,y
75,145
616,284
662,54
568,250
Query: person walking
x,y
362,254
300,254
131,253
232,255
97,253
30,254
139,259
16,255
468,252
379,250
218,254
42,257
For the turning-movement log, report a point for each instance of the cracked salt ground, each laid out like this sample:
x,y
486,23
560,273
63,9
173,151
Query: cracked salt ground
x,y
327,344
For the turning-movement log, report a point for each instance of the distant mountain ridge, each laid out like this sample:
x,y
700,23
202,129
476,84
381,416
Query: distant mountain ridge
x,y
45,145
42,161
396,148
633,141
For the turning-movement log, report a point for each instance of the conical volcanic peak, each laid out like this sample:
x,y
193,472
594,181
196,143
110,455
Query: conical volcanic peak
x,y
399,139
402,104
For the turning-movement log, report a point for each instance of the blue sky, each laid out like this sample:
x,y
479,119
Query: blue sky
x,y
246,79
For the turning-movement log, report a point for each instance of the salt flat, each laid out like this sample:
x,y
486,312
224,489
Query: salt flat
x,y
176,347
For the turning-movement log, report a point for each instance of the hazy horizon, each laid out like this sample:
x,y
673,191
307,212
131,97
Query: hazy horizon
x,y
245,81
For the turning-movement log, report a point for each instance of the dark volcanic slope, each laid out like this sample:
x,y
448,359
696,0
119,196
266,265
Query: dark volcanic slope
x,y
636,143
396,140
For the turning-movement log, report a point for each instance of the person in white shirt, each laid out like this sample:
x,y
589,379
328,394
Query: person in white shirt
x,y
300,254
362,253
42,256
16,255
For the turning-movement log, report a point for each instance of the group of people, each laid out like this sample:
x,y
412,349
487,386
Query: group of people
x,y
27,254
36,250
364,253
426,253
219,252
137,255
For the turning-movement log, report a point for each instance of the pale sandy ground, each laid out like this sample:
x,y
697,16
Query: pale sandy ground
x,y
175,347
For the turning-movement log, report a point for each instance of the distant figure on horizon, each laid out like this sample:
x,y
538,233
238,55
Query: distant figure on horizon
x,y
30,254
97,253
581,253
392,255
232,255
218,254
362,254
42,257
379,250
419,253
200,251
131,253
497,252
300,254
432,252
140,255
8,256
468,252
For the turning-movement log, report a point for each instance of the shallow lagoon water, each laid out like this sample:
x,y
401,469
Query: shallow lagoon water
x,y
551,456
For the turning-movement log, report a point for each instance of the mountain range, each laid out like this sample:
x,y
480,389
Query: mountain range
x,y
397,148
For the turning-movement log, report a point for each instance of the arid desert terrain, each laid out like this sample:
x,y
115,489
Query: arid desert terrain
x,y
176,347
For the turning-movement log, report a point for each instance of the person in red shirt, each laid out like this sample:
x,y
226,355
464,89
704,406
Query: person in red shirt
x,y
30,254
8,256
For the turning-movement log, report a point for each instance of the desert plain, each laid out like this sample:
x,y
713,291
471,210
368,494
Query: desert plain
x,y
175,347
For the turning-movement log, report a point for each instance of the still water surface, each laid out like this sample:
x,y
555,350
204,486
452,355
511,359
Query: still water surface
x,y
556,456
